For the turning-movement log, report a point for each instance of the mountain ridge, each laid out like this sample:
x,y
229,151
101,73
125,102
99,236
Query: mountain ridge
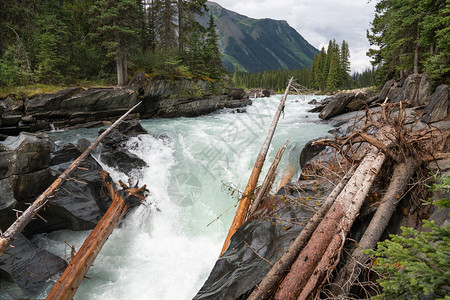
x,y
258,44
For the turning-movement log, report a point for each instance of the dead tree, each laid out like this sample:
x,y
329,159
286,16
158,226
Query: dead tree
x,y
254,176
269,283
18,226
334,226
268,181
123,200
348,275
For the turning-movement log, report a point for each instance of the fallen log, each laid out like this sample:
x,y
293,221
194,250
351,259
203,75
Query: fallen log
x,y
268,181
254,176
123,200
349,274
18,226
287,177
338,219
269,283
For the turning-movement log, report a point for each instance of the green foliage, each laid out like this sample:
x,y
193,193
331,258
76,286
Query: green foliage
x,y
337,75
416,264
405,29
55,42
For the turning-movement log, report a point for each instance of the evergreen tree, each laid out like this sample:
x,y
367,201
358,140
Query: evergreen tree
x,y
115,22
212,54
410,35
333,74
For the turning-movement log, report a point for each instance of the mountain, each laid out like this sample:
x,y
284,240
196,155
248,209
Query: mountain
x,y
258,44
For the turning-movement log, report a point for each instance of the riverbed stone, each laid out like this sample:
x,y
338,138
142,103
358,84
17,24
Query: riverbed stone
x,y
80,203
337,105
29,266
113,150
385,90
424,90
437,109
23,154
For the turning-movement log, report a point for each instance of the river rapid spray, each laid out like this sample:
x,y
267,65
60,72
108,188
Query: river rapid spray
x,y
164,250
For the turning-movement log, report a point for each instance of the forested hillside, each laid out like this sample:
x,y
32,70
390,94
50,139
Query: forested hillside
x,y
330,71
60,42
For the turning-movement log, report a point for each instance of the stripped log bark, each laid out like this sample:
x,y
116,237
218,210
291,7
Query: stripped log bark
x,y
349,274
339,218
254,176
268,181
123,200
287,177
269,283
328,262
18,226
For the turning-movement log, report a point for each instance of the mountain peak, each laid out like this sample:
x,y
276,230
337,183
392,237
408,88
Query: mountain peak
x,y
258,44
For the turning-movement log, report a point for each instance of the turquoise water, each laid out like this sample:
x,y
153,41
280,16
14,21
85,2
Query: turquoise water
x,y
164,250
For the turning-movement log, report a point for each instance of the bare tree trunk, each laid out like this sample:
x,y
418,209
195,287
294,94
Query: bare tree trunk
x,y
268,181
269,283
67,285
24,52
287,177
253,180
351,271
125,66
119,68
416,51
180,26
339,218
33,209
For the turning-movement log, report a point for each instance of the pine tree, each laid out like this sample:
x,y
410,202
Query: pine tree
x,y
333,74
115,22
214,68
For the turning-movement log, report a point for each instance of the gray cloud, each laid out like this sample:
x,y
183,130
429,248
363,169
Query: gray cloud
x,y
318,21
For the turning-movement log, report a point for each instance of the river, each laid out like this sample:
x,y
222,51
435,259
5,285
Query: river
x,y
164,250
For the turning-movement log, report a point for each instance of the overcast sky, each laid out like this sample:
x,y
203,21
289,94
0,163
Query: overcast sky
x,y
318,21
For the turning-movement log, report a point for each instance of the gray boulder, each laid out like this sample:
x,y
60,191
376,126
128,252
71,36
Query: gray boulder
x,y
359,102
24,154
424,90
395,93
437,109
114,152
337,105
385,90
236,93
45,103
11,106
29,266
79,204
173,108
411,88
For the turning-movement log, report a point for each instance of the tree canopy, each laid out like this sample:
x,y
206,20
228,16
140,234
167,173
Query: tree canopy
x,y
59,42
411,37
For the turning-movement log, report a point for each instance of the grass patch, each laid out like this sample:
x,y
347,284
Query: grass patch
x,y
36,89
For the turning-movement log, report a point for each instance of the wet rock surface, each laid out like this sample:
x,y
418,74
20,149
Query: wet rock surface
x,y
28,265
239,269
29,164
79,107
114,150
437,108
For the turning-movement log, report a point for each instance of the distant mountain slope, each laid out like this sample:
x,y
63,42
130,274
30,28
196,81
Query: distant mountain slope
x,y
258,44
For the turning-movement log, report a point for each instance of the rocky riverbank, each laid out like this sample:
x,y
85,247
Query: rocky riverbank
x,y
30,161
264,238
93,107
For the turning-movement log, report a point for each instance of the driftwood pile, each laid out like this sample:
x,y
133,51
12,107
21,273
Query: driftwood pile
x,y
311,260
